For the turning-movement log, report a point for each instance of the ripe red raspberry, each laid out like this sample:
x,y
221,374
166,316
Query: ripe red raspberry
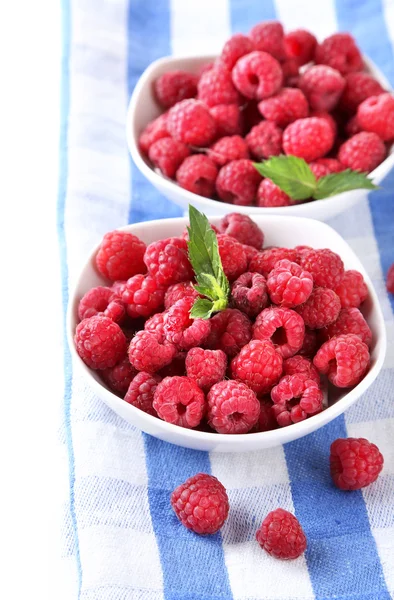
x,y
232,255
352,127
340,52
283,327
100,342
190,122
181,329
322,86
270,195
232,407
266,420
354,463
120,256
390,279
230,331
167,155
147,352
142,296
299,365
249,294
332,164
309,138
344,359
288,284
319,170
250,252
167,261
179,400
227,149
352,289
227,119
376,114
176,367
176,292
295,399
281,535
206,67
201,503
237,182
300,45
141,391
359,87
216,87
243,229
265,261
174,86
101,300
290,73
259,365
325,266
319,114
118,378
156,325
155,130
198,174
321,309
310,344
264,140
269,37
288,105
257,75
235,47
362,152
350,320
206,367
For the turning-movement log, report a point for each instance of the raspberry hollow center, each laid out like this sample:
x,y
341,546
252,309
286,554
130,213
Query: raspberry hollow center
x,y
279,337
181,409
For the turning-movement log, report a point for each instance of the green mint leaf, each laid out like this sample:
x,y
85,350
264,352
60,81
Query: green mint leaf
x,y
292,174
347,180
202,309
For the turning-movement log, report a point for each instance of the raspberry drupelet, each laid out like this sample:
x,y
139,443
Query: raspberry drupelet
x,y
141,391
354,463
283,327
100,342
104,301
281,535
179,400
120,256
249,293
232,407
344,359
183,331
206,367
288,284
295,398
259,365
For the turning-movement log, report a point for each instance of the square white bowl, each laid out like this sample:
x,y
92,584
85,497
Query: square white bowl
x,y
143,108
282,231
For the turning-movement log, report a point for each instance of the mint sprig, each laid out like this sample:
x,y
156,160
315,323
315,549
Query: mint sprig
x,y
207,265
294,177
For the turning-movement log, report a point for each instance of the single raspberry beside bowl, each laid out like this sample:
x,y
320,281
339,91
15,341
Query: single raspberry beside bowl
x,y
308,138
269,37
288,105
237,182
216,87
321,309
259,365
340,52
118,378
147,351
283,326
295,399
270,195
120,256
354,463
264,140
228,148
230,331
141,391
322,86
300,45
362,152
325,266
179,400
198,174
249,293
206,367
174,86
281,535
167,261
235,47
358,87
257,75
376,114
142,296
232,407
101,300
350,320
344,359
288,284
190,122
167,155
352,290
243,229
181,329
100,342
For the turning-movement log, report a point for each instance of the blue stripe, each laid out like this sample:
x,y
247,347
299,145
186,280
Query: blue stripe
x,y
62,192
246,13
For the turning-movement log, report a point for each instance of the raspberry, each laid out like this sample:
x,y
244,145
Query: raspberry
x,y
249,294
270,195
155,130
120,256
332,164
354,463
362,152
227,149
288,284
259,365
181,329
321,309
100,342
376,114
310,343
216,87
230,331
288,105
206,367
319,170
325,266
359,87
243,229
322,86
167,155
295,399
176,367
309,138
118,378
206,67
298,365
269,37
179,400
390,279
156,325
201,503
281,535
352,289
198,174
227,118
300,45
266,420
264,140
167,261
237,182
142,296
232,407
257,75
250,252
340,52
178,291
290,73
319,114
265,261
350,320
147,352
141,391
232,255
174,86
283,327
101,300
352,127
190,122
344,359
238,45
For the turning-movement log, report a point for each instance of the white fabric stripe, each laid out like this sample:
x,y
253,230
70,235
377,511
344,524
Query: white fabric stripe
x,y
317,17
388,11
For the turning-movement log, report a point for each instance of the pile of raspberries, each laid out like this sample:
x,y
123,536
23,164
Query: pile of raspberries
x,y
268,93
293,319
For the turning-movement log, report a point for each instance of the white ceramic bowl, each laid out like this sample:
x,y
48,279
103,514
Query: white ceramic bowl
x,y
282,231
143,108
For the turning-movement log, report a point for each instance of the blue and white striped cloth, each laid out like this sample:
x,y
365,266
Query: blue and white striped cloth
x,y
121,539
